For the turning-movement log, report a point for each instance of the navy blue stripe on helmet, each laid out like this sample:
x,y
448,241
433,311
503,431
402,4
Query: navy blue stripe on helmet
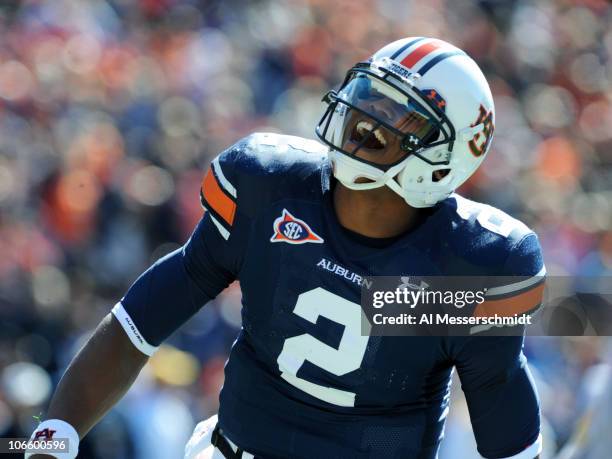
x,y
406,46
440,57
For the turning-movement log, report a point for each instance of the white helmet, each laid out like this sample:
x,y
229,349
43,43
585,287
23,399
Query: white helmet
x,y
426,97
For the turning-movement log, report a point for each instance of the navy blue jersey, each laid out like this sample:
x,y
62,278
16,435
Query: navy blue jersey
x,y
301,380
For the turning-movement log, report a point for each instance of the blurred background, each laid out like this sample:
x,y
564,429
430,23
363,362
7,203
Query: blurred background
x,y
110,111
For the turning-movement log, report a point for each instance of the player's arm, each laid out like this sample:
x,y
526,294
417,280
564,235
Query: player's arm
x,y
111,360
159,302
99,375
499,390
501,397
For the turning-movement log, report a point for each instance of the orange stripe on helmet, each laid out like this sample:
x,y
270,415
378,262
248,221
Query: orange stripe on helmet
x,y
420,52
518,304
220,202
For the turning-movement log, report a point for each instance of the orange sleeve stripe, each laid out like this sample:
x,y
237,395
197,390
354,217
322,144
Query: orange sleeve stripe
x,y
518,304
221,203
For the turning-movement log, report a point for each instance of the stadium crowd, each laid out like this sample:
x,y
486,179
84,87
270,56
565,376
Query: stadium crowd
x,y
110,111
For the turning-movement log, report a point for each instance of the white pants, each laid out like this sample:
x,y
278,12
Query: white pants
x,y
199,446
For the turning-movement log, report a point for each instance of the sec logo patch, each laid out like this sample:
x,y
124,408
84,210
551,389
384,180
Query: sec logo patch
x,y
292,230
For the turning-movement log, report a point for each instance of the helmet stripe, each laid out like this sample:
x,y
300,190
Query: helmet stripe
x,y
440,57
406,46
419,53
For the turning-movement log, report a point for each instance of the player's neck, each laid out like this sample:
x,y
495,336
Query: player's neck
x,y
377,213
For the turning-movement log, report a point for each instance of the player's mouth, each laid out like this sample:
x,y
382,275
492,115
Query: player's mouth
x,y
373,142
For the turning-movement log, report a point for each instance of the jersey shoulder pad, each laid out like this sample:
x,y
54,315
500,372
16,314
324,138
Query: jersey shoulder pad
x,y
507,253
479,218
262,168
269,143
488,236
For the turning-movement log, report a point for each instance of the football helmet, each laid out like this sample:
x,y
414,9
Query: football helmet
x,y
418,117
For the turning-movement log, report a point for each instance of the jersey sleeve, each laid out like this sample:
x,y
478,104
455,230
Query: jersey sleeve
x,y
174,288
519,288
499,390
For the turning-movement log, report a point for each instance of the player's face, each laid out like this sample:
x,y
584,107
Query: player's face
x,y
378,103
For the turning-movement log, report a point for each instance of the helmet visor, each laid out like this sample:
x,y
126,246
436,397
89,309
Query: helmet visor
x,y
383,122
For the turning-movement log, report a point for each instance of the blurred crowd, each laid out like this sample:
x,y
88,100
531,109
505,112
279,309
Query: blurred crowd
x,y
110,111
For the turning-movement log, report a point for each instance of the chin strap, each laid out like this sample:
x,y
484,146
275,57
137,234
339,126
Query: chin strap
x,y
347,170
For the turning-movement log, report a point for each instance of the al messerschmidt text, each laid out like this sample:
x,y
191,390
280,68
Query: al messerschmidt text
x,y
449,319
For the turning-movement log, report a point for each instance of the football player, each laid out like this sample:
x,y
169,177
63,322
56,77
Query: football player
x,y
300,224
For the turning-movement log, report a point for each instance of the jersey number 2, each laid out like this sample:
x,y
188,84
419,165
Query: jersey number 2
x,y
348,357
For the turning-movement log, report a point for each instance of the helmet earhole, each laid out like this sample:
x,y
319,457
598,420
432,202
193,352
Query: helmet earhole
x,y
438,175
